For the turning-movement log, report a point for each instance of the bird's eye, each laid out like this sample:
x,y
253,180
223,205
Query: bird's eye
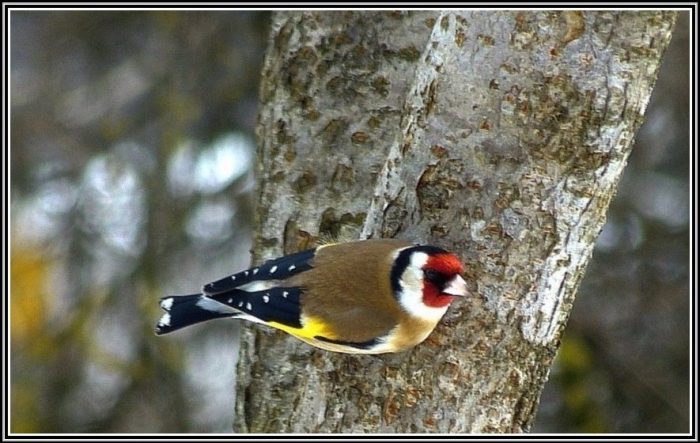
x,y
430,274
434,276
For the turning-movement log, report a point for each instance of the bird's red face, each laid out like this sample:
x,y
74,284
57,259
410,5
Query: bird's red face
x,y
442,281
426,279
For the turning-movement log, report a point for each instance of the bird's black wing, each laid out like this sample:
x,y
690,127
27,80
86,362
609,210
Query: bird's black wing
x,y
276,304
276,269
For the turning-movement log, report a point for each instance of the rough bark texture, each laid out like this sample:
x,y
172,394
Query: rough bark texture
x,y
499,135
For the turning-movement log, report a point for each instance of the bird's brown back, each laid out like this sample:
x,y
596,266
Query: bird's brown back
x,y
338,285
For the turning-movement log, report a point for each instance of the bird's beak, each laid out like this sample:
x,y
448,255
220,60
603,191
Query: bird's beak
x,y
457,286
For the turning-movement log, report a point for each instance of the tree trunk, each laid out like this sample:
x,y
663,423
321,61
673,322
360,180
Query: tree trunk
x,y
499,135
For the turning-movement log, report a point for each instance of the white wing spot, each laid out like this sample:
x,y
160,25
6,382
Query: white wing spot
x,y
255,271
230,300
266,298
292,267
233,277
248,306
164,320
273,269
246,273
167,303
285,294
240,304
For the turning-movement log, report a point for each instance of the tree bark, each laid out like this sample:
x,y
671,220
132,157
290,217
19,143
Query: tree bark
x,y
499,135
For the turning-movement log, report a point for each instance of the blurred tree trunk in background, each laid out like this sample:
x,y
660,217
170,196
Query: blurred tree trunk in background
x,y
499,135
117,118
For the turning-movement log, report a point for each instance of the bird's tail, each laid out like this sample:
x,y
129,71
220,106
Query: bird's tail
x,y
186,310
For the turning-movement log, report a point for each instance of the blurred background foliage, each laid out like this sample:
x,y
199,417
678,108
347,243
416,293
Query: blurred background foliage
x,y
131,152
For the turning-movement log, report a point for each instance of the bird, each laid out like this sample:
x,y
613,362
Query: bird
x,y
362,297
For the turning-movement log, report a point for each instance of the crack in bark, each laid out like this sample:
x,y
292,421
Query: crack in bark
x,y
418,102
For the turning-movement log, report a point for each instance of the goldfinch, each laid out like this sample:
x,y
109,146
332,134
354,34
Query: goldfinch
x,y
366,297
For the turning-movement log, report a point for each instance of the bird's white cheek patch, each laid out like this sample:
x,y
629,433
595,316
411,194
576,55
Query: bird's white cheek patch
x,y
411,297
